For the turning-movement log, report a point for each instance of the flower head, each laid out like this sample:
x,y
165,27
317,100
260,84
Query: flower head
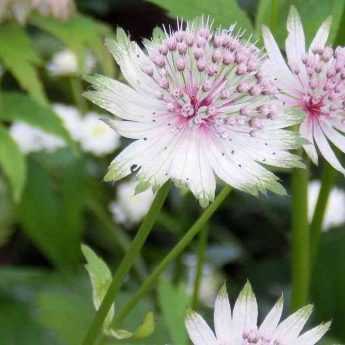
x,y
97,137
20,10
240,326
32,139
314,81
129,207
65,63
197,106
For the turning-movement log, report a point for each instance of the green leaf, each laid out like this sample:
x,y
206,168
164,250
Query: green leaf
x,y
79,33
173,302
20,107
19,57
143,331
65,314
13,163
100,277
51,210
312,12
224,12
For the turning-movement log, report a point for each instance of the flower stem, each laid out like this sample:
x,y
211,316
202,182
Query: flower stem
x,y
177,250
115,235
203,237
327,181
126,264
77,90
300,239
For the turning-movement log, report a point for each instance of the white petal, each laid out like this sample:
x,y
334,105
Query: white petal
x,y
291,327
295,42
312,336
245,313
306,131
272,319
201,179
121,100
333,135
135,130
321,37
131,59
276,66
326,150
222,317
199,331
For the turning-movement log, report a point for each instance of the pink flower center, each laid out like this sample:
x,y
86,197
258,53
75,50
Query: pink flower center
x,y
313,106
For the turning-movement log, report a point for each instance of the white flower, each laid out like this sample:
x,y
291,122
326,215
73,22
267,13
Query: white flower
x,y
335,209
210,280
97,137
313,80
65,63
197,107
32,139
240,326
71,119
129,207
20,10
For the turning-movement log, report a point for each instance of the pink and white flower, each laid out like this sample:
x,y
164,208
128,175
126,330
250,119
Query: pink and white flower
x,y
197,107
240,325
314,81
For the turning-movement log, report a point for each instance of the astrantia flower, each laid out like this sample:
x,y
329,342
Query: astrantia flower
x,y
197,106
20,10
65,63
313,80
240,326
130,207
32,139
96,137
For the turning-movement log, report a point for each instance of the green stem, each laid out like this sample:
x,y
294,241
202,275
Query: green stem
x,y
77,90
300,239
176,251
116,235
327,181
203,237
274,15
126,264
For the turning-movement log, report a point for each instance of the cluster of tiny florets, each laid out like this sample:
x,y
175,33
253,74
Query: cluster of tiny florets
x,y
205,76
325,72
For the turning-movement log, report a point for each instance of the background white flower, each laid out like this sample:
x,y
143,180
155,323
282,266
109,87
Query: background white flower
x,y
335,209
71,119
197,107
211,278
240,326
312,80
96,136
65,63
32,139
129,208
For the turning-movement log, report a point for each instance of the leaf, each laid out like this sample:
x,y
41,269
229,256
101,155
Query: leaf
x,y
13,163
45,210
19,57
64,313
173,302
312,12
143,331
20,107
79,33
100,277
224,12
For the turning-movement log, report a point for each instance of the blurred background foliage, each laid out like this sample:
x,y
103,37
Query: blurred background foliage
x,y
54,153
